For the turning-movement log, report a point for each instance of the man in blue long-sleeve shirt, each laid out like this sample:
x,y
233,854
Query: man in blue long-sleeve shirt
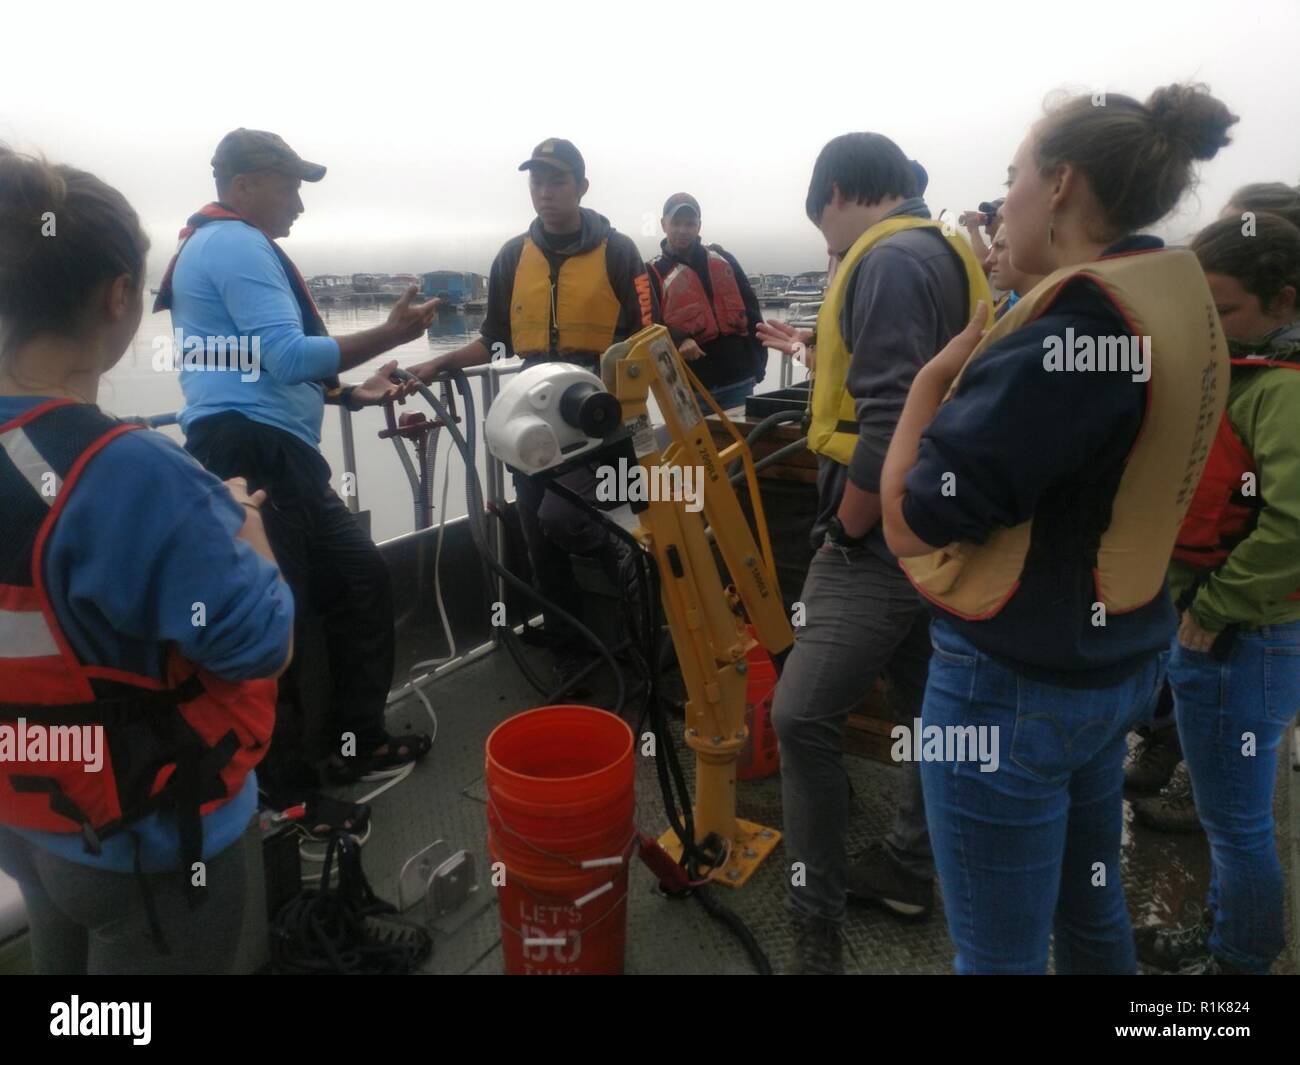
x,y
257,368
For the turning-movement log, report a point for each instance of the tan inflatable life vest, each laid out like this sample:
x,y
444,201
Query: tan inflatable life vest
x,y
1163,298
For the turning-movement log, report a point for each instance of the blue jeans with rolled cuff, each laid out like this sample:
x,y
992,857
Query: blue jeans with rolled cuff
x,y
1032,848
1233,714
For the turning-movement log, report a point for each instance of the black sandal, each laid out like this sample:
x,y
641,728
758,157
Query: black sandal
x,y
402,751
336,815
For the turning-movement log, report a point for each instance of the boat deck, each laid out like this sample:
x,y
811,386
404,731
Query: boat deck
x,y
445,799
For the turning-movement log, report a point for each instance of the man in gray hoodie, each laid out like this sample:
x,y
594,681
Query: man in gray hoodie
x,y
904,299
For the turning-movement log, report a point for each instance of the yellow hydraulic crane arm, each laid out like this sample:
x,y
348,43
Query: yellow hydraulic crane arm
x,y
703,615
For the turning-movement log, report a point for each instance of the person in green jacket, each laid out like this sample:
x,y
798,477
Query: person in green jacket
x,y
1156,774
1235,665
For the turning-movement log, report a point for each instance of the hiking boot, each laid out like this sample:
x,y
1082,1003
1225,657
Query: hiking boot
x,y
1208,965
818,948
1173,810
570,662
1153,762
1169,949
877,879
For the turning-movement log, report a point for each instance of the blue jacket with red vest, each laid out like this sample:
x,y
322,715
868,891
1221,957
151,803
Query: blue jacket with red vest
x,y
127,607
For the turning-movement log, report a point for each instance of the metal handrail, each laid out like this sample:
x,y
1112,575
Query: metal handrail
x,y
491,373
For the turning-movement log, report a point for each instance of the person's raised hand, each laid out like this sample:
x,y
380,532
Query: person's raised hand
x,y
783,337
408,319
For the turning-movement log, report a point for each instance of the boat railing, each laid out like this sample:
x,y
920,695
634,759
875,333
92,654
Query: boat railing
x,y
491,373
494,470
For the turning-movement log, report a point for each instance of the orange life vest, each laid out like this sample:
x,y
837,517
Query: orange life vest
x,y
685,305
185,744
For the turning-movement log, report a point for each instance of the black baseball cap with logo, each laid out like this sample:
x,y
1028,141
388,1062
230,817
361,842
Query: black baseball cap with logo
x,y
559,155
243,151
677,201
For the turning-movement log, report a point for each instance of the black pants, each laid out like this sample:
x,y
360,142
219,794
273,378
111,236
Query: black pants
x,y
554,529
334,571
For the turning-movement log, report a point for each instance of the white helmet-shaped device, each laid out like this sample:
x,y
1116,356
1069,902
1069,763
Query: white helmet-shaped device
x,y
548,414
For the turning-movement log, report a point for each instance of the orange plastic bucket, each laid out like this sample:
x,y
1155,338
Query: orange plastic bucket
x,y
761,755
560,820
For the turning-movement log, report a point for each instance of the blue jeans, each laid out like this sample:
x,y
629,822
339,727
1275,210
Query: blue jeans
x,y
728,396
1232,717
1032,847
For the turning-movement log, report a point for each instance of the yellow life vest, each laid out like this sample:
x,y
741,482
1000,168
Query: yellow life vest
x,y
574,313
1161,295
834,428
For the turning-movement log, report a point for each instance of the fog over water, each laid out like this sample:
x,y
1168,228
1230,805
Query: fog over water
x,y
423,112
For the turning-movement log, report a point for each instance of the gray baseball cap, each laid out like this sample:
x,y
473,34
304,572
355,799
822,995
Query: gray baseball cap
x,y
243,151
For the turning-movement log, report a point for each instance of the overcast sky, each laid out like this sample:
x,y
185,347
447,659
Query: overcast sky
x,y
423,111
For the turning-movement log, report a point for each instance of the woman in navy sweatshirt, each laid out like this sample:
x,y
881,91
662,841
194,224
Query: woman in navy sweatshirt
x,y
1036,508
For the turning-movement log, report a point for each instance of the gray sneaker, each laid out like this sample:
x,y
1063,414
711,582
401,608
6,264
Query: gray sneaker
x,y
876,879
1173,810
818,948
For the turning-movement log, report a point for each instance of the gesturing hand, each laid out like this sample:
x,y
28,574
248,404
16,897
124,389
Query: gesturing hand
x,y
784,338
380,387
407,320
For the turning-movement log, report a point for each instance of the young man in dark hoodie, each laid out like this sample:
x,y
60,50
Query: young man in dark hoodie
x,y
708,305
904,287
564,291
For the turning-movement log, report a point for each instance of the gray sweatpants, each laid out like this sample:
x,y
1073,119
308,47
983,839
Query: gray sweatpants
x,y
862,618
89,921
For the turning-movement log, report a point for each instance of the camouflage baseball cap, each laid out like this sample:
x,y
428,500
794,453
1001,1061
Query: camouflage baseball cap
x,y
558,154
243,151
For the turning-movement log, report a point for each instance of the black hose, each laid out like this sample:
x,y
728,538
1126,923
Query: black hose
x,y
792,448
761,430
669,768
739,929
475,508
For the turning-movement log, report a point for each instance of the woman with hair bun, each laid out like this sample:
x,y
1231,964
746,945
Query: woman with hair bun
x,y
142,617
1034,488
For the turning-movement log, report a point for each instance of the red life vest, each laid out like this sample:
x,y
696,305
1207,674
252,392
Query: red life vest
x,y
186,744
685,306
1221,515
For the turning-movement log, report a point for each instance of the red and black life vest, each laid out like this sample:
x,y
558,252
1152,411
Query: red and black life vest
x,y
686,307
185,744
1221,513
